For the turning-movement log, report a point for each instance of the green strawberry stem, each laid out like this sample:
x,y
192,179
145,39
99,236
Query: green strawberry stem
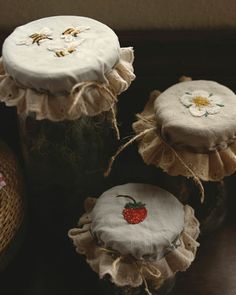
x,y
134,204
124,196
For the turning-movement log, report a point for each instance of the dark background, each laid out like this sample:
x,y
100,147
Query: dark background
x,y
45,265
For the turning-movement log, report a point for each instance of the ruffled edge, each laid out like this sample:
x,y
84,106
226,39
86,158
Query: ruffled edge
x,y
88,98
212,166
126,271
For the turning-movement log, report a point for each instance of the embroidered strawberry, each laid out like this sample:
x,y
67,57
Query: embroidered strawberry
x,y
134,212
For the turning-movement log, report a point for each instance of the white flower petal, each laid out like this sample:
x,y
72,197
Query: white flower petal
x,y
186,100
53,46
213,109
68,38
46,31
201,93
75,43
215,99
197,112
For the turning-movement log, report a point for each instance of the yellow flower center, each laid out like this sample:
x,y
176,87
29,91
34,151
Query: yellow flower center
x,y
200,101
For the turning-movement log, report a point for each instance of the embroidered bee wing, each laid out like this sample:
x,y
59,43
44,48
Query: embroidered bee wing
x,y
55,47
27,41
45,31
68,38
82,28
70,34
75,44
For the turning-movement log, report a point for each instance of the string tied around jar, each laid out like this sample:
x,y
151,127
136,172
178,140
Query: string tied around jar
x,y
141,267
151,126
78,92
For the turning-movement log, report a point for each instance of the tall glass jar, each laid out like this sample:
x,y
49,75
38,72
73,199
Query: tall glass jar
x,y
63,74
65,162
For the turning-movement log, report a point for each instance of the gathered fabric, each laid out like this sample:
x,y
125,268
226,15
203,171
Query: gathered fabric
x,y
88,98
128,271
212,166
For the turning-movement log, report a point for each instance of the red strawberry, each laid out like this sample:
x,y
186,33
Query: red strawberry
x,y
134,212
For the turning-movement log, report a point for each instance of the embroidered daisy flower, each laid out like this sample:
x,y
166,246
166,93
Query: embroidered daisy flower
x,y
2,181
201,103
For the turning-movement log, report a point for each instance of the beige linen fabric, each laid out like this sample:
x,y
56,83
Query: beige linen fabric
x,y
61,60
149,239
201,134
208,166
87,98
125,270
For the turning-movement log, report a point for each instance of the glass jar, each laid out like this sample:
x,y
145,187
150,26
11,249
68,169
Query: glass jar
x,y
65,162
64,77
212,212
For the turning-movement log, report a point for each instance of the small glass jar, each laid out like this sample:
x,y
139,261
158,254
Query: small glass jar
x,y
156,233
212,212
179,133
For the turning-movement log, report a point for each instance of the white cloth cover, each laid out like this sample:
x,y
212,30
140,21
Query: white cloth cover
x,y
148,239
64,67
88,98
170,138
37,66
211,127
125,269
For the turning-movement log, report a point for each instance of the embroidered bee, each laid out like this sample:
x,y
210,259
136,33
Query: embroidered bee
x,y
67,49
39,37
73,32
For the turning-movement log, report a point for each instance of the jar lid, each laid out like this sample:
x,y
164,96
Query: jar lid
x,y
54,53
141,220
197,116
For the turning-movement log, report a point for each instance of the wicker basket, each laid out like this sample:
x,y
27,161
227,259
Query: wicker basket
x,y
11,205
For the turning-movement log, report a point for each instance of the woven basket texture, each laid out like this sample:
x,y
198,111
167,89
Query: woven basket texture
x,y
11,202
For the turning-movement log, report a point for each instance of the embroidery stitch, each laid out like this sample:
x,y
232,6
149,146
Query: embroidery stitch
x,y
134,212
38,38
71,33
201,103
69,48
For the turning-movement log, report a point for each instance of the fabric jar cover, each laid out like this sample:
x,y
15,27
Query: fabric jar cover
x,y
192,130
11,205
63,67
151,249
